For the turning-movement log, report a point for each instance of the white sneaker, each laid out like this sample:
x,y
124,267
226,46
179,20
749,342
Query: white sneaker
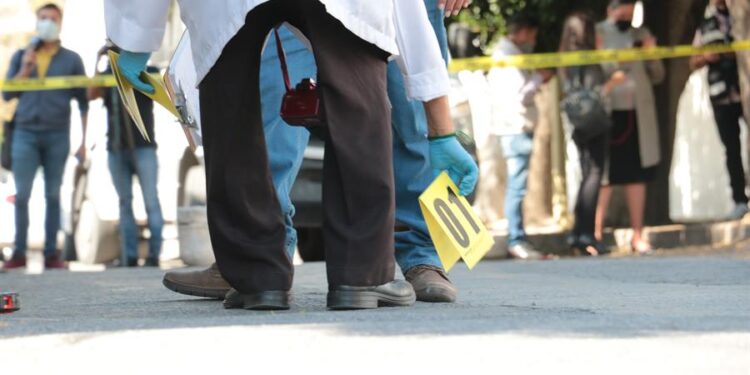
x,y
739,211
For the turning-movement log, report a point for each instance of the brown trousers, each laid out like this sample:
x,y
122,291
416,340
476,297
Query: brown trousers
x,y
244,216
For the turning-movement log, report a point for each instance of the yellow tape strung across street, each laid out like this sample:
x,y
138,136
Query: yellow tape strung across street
x,y
530,61
562,59
58,83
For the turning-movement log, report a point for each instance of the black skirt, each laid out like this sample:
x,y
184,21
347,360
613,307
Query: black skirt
x,y
625,165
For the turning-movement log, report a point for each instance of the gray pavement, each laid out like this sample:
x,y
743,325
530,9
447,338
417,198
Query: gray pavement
x,y
686,313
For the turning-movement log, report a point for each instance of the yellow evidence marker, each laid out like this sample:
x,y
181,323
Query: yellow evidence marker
x,y
455,229
127,94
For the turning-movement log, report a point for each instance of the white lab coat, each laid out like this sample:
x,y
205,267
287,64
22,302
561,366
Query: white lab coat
x,y
398,27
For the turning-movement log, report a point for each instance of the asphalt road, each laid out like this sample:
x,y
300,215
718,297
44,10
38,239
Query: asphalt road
x,y
678,314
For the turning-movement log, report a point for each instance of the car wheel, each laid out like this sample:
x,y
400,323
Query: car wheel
x,y
96,241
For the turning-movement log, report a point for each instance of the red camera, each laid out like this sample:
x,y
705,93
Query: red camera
x,y
301,106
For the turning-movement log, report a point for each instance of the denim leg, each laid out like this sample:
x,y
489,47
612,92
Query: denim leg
x,y
147,169
286,144
517,151
411,160
26,160
55,150
121,169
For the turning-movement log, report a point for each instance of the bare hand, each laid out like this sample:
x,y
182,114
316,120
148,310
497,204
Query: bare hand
x,y
453,7
618,78
29,59
546,74
81,154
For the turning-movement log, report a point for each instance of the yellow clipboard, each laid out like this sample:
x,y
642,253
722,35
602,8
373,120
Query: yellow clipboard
x,y
127,94
455,229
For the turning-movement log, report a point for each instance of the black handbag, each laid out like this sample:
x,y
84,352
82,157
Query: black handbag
x,y
5,149
585,111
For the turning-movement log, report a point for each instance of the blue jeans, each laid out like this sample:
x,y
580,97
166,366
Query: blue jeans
x,y
123,165
517,151
32,149
411,158
286,144
411,152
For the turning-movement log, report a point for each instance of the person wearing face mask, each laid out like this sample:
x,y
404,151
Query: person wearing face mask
x,y
42,125
514,115
724,89
634,151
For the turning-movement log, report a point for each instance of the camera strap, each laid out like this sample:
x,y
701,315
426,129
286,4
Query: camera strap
x,y
282,60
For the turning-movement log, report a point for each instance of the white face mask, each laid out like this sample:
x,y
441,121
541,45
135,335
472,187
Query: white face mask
x,y
48,30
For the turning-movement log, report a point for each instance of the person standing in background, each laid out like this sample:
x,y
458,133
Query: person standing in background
x,y
634,151
579,34
724,88
129,155
42,130
515,115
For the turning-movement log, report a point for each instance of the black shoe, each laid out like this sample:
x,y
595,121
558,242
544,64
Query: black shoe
x,y
268,300
394,293
151,262
131,262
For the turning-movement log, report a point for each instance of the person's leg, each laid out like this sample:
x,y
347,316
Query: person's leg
x,y
286,144
411,162
517,151
26,160
147,169
635,198
592,166
244,215
728,123
605,194
55,150
358,169
120,168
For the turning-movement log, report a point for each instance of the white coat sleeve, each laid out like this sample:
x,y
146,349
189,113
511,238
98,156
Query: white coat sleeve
x,y
420,60
136,25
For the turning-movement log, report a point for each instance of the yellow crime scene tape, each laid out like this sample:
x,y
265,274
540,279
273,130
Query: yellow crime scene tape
x,y
58,83
528,61
563,59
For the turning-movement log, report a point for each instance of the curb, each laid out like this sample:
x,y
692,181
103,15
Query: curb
x,y
665,237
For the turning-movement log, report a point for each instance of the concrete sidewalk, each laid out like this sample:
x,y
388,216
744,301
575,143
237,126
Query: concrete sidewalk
x,y
552,239
667,314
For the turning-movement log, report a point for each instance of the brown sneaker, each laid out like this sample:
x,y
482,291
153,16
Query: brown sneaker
x,y
15,262
53,262
431,284
204,283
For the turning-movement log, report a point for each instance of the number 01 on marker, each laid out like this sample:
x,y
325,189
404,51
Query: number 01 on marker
x,y
455,230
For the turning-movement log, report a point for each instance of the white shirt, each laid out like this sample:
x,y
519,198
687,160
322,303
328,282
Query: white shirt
x,y
512,92
393,26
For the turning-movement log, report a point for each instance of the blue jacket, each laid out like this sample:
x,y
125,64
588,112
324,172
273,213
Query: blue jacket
x,y
49,109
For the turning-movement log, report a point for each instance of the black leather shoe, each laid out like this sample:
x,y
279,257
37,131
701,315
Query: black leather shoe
x,y
394,293
268,300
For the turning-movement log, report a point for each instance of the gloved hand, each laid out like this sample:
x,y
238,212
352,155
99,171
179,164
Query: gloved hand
x,y
131,65
446,154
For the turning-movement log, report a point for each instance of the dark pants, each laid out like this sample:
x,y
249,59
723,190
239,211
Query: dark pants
x,y
244,216
728,121
592,154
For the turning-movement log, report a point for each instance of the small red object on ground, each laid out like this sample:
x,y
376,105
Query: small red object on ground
x,y
9,303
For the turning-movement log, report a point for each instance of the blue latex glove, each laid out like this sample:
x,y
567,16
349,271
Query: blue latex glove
x,y
131,65
447,154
